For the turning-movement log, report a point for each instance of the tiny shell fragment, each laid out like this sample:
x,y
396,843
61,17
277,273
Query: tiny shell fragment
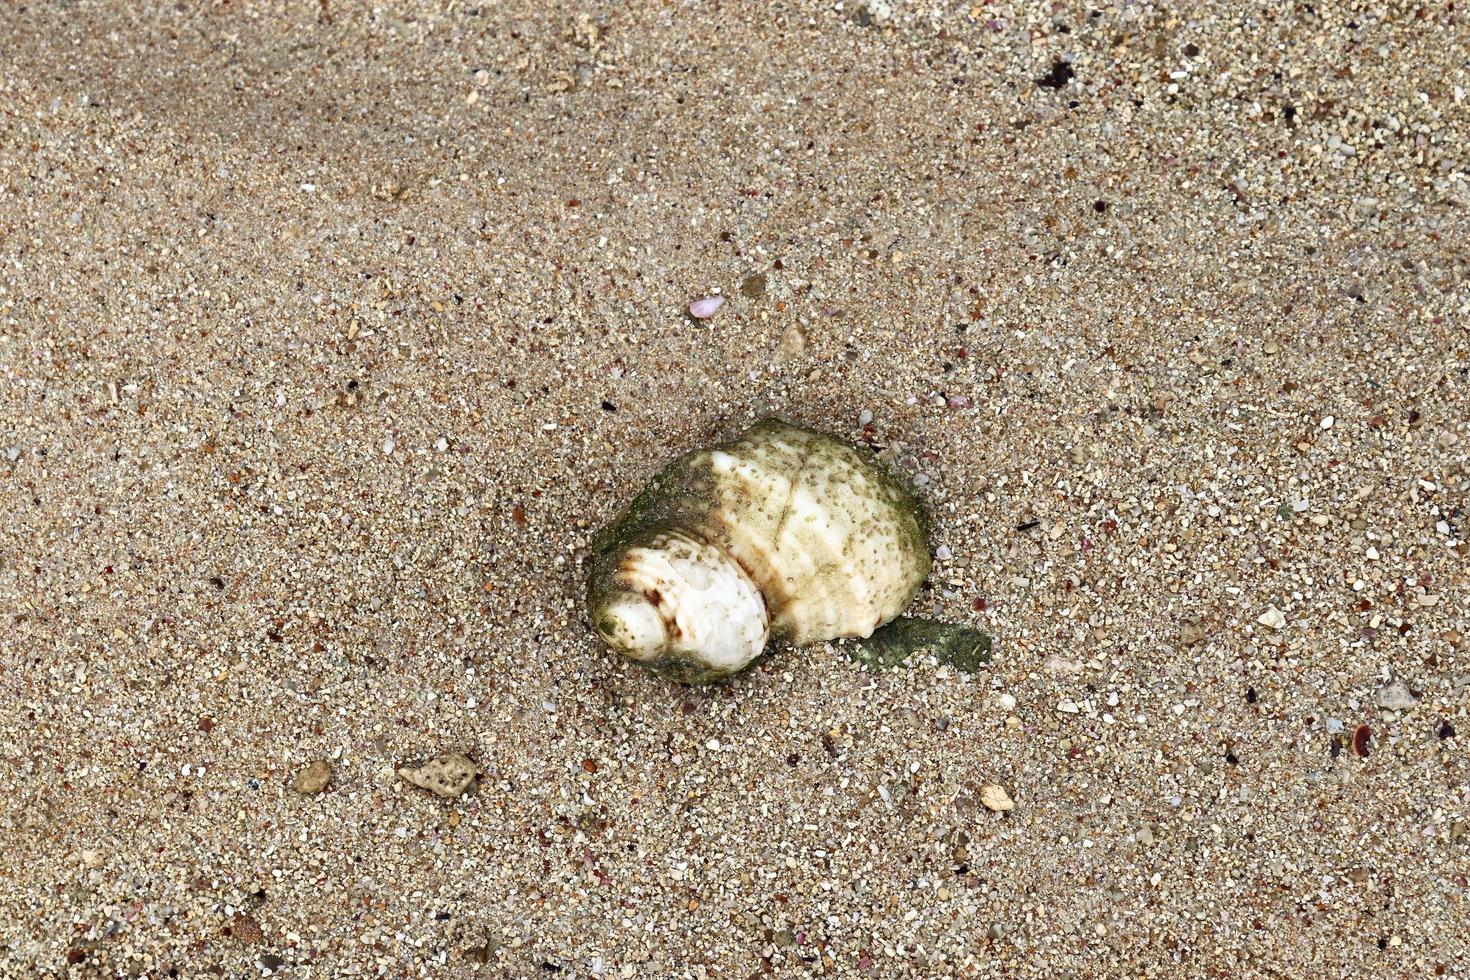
x,y
448,775
996,798
1273,618
703,309
1361,738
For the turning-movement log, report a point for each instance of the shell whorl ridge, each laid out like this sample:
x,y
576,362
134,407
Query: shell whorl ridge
x,y
782,533
680,596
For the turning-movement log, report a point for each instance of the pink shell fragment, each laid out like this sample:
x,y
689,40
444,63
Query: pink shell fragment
x,y
703,309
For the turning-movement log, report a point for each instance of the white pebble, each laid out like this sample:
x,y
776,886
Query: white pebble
x,y
1396,697
388,445
1273,618
943,553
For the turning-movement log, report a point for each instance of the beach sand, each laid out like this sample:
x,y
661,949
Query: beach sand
x,y
329,335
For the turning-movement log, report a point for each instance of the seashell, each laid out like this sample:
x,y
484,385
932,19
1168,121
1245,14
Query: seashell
x,y
783,533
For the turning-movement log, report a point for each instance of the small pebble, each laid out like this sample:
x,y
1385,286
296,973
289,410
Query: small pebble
x,y
1396,697
793,342
244,928
314,778
448,775
1272,618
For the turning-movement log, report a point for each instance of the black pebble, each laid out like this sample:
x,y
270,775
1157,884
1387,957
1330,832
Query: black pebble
x,y
1061,73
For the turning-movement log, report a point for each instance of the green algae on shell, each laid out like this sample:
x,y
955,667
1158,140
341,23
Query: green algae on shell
x,y
783,533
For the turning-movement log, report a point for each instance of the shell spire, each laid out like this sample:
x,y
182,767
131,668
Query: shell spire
x,y
782,533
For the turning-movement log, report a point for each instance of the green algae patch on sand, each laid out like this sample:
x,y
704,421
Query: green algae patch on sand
x,y
964,648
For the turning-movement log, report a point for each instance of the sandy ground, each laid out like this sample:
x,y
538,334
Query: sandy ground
x,y
329,334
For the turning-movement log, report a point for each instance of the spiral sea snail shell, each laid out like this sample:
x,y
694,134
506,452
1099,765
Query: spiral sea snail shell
x,y
783,533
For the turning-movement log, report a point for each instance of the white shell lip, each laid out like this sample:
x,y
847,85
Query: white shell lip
x,y
687,599
632,625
